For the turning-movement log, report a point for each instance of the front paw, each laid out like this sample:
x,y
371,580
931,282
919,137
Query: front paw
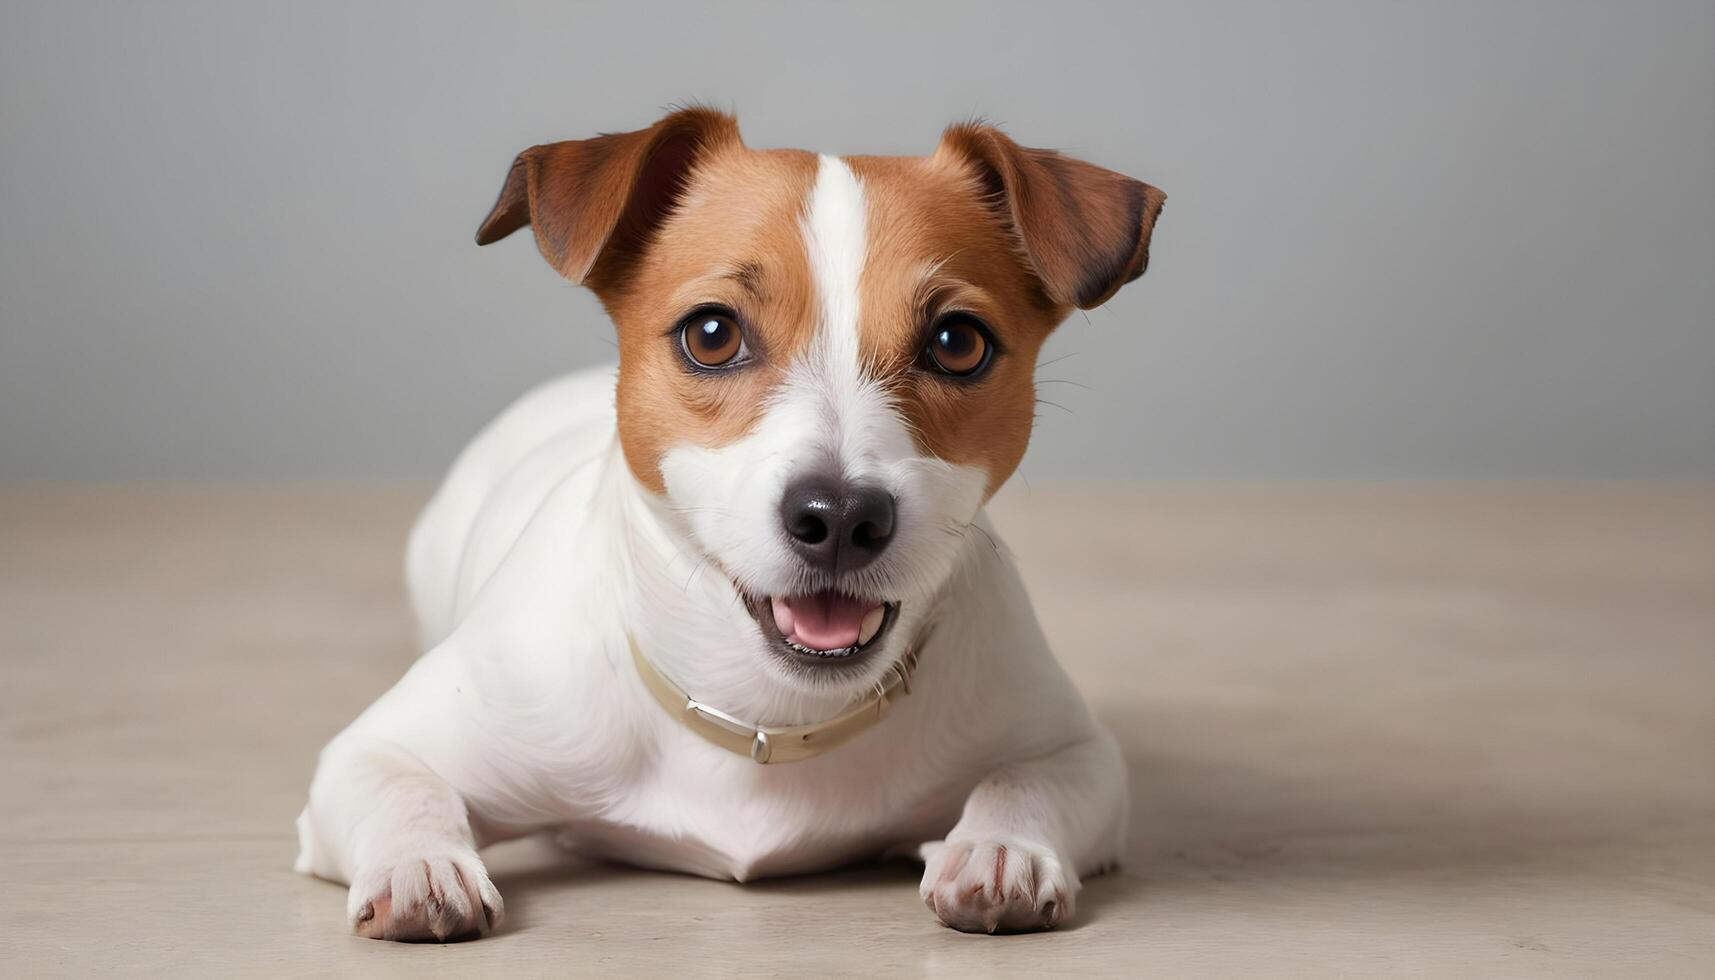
x,y
990,886
438,896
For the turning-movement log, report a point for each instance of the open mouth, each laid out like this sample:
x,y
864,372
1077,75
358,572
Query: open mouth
x,y
823,629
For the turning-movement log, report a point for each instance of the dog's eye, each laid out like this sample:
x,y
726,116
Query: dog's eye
x,y
712,339
959,345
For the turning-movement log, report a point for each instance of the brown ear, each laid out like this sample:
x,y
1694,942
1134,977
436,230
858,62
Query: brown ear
x,y
1085,229
595,201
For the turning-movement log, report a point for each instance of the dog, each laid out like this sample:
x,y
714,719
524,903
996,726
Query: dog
x,y
735,609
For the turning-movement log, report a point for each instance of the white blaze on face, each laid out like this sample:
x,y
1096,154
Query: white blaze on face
x,y
861,429
834,239
828,415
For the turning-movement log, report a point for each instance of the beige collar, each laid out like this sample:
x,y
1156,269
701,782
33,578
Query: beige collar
x,y
791,743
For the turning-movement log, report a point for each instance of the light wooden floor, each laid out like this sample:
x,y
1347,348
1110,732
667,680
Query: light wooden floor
x,y
1446,731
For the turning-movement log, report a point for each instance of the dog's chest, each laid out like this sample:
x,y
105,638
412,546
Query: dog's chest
x,y
709,813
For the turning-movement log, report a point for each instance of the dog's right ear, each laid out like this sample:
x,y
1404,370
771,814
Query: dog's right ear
x,y
593,203
1085,229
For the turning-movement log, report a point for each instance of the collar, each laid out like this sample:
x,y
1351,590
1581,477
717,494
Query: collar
x,y
790,743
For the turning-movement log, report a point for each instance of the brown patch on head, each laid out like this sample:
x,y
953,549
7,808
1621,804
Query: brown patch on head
x,y
1012,235
936,247
659,223
732,241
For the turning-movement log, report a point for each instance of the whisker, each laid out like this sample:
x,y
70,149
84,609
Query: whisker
x,y
1055,360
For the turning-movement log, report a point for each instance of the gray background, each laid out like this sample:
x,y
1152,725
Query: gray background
x,y
1403,240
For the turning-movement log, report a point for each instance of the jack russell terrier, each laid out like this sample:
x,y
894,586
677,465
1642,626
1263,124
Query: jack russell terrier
x,y
736,609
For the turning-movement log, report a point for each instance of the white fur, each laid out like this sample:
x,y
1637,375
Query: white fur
x,y
541,551
834,238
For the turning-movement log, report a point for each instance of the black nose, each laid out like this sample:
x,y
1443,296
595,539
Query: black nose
x,y
837,527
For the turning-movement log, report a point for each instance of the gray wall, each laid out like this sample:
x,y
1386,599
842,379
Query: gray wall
x,y
1448,239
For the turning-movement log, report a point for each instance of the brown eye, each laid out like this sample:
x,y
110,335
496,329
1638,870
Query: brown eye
x,y
712,339
959,346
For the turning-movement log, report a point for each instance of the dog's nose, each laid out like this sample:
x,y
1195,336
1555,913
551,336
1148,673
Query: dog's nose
x,y
834,526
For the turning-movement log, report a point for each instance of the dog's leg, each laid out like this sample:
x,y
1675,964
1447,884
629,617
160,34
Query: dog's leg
x,y
399,834
1028,831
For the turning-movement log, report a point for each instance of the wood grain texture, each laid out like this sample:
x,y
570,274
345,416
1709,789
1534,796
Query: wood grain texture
x,y
1432,730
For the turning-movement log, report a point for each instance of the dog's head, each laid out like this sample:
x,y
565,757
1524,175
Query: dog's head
x,y
826,363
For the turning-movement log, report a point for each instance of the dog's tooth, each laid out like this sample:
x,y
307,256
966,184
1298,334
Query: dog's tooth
x,y
871,623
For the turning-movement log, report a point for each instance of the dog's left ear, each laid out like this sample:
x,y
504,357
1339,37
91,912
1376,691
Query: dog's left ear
x,y
1084,229
592,203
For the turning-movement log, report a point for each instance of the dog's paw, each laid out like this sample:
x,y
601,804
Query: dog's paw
x,y
428,898
997,886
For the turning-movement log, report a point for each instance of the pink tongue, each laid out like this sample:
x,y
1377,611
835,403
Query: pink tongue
x,y
822,621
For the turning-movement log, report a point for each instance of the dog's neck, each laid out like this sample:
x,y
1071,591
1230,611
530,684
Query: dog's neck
x,y
690,622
